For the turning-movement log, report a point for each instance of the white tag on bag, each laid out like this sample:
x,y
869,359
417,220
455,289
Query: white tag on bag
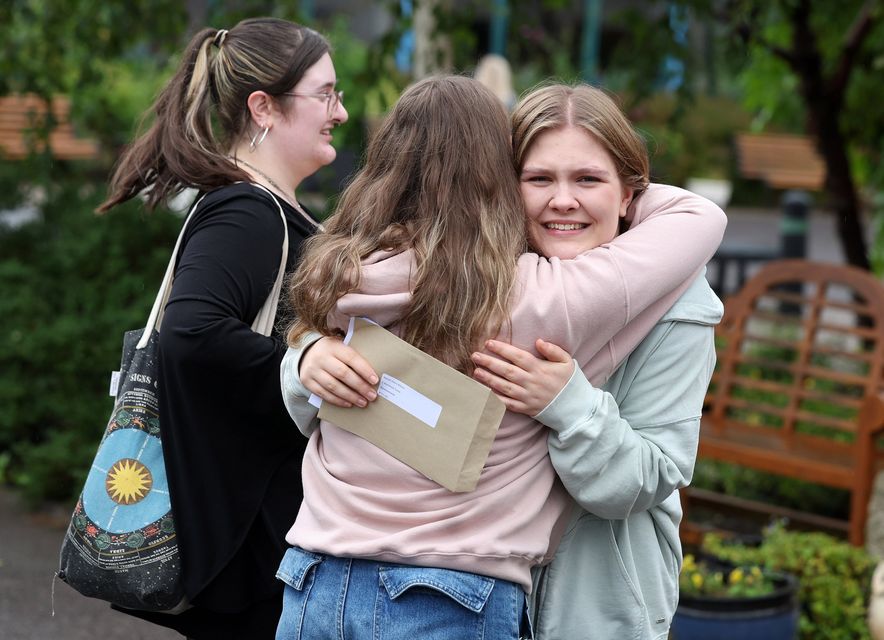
x,y
114,383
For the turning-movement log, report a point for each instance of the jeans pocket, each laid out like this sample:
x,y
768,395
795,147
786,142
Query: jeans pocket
x,y
440,604
469,590
295,567
297,570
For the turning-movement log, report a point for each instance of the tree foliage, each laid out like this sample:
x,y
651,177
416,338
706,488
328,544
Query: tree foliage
x,y
65,47
811,67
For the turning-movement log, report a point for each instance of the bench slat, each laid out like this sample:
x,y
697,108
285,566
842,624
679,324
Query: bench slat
x,y
783,161
837,400
806,371
790,416
774,454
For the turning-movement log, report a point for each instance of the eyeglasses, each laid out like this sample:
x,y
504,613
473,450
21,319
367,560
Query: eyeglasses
x,y
332,98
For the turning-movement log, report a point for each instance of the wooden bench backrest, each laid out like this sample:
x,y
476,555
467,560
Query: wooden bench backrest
x,y
21,114
783,161
799,348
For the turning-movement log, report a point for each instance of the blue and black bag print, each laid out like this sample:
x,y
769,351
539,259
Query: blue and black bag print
x,y
120,545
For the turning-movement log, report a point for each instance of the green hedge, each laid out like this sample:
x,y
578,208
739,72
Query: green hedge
x,y
72,283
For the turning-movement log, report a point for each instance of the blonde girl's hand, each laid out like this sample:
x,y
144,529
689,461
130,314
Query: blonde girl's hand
x,y
526,384
338,374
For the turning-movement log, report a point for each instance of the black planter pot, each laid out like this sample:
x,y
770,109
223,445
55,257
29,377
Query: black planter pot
x,y
770,617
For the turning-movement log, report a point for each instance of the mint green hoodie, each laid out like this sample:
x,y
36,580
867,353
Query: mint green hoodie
x,y
622,452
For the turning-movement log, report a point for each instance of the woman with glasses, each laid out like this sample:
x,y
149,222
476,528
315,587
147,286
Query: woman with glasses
x,y
246,118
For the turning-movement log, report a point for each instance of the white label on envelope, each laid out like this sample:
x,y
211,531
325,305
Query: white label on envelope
x,y
407,399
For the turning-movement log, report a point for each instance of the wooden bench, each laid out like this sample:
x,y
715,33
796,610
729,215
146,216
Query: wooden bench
x,y
798,389
21,115
782,161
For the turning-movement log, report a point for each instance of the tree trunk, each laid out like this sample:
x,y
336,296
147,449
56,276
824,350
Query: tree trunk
x,y
824,101
842,196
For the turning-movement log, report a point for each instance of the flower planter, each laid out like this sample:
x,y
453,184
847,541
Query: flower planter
x,y
770,617
716,189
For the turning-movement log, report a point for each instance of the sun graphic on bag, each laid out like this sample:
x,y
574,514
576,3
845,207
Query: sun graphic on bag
x,y
128,481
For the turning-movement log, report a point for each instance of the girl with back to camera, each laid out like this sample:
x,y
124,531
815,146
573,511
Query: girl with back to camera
x,y
427,241
232,457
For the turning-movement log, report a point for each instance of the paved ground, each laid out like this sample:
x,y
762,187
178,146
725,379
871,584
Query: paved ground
x,y
29,544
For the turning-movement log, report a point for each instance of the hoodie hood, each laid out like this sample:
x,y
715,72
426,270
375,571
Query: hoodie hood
x,y
384,291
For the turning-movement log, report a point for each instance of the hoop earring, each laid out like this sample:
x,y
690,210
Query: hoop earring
x,y
256,140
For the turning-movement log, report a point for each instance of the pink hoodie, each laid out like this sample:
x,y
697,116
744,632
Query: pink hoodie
x,y
361,502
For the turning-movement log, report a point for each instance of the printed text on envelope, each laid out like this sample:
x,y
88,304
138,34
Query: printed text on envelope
x,y
407,399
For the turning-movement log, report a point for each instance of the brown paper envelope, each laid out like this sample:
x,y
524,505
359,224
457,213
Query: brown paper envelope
x,y
453,452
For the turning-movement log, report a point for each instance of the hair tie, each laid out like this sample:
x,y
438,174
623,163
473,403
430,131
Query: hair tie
x,y
219,38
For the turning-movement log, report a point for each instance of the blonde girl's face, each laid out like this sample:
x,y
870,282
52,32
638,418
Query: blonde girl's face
x,y
573,196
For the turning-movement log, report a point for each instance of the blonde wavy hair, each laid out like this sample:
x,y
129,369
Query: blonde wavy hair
x,y
560,105
439,179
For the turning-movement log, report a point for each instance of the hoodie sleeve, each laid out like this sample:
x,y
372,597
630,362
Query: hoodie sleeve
x,y
294,394
616,460
600,305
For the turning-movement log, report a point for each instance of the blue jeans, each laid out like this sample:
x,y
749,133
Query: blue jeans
x,y
333,598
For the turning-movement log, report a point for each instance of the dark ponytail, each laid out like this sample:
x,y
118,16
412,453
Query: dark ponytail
x,y
218,72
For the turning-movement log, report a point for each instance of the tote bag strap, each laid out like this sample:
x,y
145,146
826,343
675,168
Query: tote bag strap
x,y
263,323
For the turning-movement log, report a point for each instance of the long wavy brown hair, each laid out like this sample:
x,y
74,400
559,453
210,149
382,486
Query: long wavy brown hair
x,y
203,109
438,178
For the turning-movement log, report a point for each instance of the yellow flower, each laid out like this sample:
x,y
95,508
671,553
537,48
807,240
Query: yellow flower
x,y
736,576
697,580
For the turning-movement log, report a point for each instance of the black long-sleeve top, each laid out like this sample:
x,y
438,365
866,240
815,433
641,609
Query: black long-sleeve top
x,y
232,454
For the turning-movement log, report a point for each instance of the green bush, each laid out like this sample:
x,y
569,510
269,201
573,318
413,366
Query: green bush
x,y
73,282
834,577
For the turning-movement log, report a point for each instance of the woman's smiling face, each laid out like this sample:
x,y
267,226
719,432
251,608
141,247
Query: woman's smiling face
x,y
305,134
573,196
